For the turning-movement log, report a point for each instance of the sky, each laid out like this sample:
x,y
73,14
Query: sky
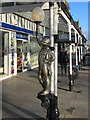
x,y
79,10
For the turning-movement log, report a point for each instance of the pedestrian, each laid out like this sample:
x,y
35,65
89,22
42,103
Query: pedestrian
x,y
83,59
65,60
61,60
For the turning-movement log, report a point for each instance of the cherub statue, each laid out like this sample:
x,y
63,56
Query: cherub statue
x,y
46,57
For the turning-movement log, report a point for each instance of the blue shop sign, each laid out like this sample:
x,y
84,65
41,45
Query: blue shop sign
x,y
22,36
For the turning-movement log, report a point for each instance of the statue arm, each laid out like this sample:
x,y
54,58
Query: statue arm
x,y
52,57
39,41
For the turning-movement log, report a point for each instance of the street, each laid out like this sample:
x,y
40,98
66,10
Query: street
x,y
19,96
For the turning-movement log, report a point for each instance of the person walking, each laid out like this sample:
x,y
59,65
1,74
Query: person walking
x,y
65,60
61,60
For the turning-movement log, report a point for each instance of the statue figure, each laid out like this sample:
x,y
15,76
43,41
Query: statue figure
x,y
45,59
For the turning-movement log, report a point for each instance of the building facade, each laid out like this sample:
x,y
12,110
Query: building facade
x,y
18,45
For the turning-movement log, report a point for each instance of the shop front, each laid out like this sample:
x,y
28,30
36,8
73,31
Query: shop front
x,y
18,50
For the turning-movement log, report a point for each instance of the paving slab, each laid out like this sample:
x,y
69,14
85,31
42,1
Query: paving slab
x,y
19,96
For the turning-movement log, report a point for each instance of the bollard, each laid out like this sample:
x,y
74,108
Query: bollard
x,y
53,112
71,82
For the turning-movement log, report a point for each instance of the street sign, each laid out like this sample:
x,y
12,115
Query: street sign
x,y
61,38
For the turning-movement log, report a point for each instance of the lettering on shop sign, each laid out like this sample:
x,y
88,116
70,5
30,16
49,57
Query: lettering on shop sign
x,y
61,38
21,36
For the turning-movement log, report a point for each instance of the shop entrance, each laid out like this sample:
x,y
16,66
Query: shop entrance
x,y
22,58
4,54
19,56
25,54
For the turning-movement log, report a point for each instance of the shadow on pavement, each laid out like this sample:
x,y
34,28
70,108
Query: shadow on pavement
x,y
16,115
85,69
63,89
28,79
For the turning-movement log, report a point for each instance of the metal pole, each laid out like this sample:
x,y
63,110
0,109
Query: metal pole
x,y
53,112
51,6
56,65
70,49
56,47
81,52
76,48
70,61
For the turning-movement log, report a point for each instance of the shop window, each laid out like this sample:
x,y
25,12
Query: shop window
x,y
3,17
26,24
31,26
25,54
22,22
19,21
19,56
8,18
34,51
16,20
12,19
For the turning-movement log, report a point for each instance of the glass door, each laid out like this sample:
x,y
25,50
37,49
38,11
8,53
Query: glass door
x,y
4,54
25,54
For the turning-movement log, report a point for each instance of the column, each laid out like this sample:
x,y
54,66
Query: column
x,y
76,48
70,61
56,67
15,54
6,53
81,51
22,56
51,6
10,54
1,50
29,68
56,48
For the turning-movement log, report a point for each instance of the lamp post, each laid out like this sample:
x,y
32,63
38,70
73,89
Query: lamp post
x,y
37,17
49,100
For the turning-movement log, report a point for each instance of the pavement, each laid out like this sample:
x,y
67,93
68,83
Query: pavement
x,y
19,96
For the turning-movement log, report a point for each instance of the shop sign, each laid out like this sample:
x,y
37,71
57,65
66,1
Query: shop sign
x,y
61,38
22,36
0,24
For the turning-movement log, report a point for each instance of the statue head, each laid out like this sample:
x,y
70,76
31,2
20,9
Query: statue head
x,y
46,42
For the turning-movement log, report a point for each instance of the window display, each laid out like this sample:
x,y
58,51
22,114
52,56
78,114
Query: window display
x,y
19,56
12,52
34,50
25,52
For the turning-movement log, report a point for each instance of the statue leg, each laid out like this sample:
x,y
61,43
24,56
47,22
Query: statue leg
x,y
40,76
46,79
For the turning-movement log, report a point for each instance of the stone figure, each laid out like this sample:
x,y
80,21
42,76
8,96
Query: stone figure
x,y
45,59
